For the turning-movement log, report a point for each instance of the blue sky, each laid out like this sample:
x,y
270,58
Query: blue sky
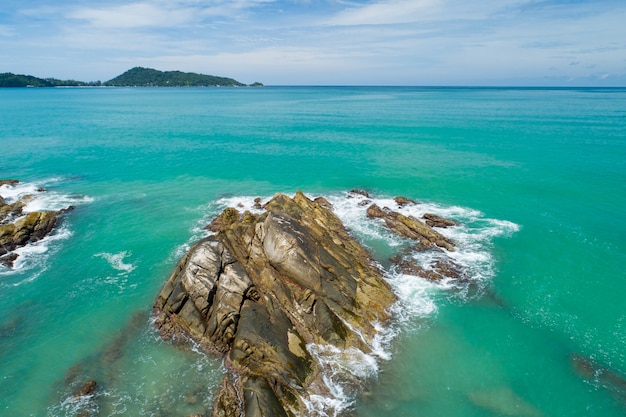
x,y
323,42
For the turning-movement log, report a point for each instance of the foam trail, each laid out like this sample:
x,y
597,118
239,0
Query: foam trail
x,y
116,260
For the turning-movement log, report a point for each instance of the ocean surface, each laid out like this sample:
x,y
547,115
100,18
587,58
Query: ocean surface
x,y
535,178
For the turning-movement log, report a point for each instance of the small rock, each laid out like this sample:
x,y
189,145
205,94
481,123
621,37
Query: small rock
x,y
438,270
324,203
403,201
8,260
359,192
375,212
11,183
436,221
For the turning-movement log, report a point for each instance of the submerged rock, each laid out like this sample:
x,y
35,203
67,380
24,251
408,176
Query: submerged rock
x,y
263,290
87,388
502,401
596,373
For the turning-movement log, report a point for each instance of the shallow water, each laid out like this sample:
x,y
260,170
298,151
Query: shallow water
x,y
536,178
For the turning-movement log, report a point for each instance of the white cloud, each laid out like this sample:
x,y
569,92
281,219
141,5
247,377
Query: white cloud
x,y
135,15
388,12
162,13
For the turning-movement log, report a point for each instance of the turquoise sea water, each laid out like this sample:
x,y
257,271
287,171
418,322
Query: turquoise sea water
x,y
536,176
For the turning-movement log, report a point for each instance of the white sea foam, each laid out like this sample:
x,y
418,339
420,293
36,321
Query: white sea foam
x,y
344,371
75,405
118,263
40,199
116,260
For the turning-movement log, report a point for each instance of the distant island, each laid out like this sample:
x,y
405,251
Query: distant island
x,y
134,77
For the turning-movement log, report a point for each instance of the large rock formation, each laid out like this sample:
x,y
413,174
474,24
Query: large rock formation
x,y
18,228
268,291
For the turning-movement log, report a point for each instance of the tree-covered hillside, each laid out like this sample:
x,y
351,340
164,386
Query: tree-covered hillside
x,y
148,77
135,77
8,79
18,80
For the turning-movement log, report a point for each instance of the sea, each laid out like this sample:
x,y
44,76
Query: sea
x,y
535,179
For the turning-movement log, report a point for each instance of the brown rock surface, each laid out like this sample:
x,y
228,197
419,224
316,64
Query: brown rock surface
x,y
86,389
439,270
262,290
437,221
403,201
410,227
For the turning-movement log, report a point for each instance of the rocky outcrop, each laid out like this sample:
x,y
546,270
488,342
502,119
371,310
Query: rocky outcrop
x,y
17,228
263,291
433,220
410,227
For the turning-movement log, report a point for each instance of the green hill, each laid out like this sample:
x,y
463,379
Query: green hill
x,y
135,77
8,79
148,77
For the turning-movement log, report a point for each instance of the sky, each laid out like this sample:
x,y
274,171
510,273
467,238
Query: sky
x,y
323,42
